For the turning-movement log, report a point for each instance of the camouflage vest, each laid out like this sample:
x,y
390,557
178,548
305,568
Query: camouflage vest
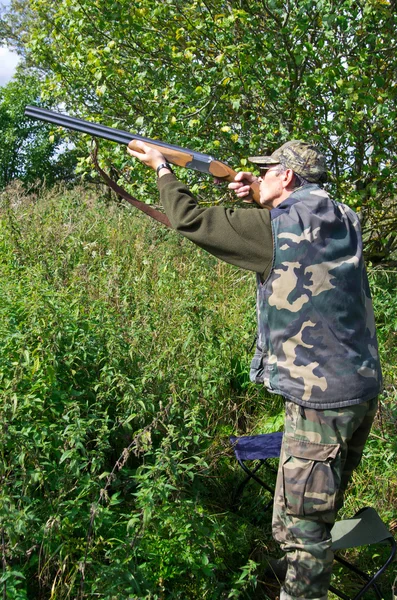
x,y
316,331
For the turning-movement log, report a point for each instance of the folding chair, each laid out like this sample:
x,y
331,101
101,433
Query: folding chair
x,y
364,529
256,448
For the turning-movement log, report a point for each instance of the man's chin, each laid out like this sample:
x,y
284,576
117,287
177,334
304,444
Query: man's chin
x,y
265,202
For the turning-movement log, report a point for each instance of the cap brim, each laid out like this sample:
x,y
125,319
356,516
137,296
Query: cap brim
x,y
263,160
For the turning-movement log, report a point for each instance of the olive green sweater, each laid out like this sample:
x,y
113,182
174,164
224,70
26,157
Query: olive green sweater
x,y
242,237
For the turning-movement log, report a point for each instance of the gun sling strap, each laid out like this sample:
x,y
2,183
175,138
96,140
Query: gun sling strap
x,y
146,208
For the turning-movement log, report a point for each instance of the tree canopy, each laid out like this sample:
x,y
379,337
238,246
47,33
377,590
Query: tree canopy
x,y
28,152
232,79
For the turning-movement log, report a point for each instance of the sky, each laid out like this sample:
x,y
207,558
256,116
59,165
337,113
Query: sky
x,y
8,63
8,59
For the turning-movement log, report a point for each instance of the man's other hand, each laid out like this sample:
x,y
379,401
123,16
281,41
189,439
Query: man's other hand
x,y
241,184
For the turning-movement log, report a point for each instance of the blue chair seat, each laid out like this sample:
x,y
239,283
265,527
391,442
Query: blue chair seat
x,y
256,448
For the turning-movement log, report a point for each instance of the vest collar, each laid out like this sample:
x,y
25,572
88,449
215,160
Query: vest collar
x,y
297,195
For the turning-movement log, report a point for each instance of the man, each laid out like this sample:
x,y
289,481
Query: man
x,y
316,336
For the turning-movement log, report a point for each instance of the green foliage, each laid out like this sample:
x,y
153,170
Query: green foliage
x,y
116,368
27,151
123,371
232,79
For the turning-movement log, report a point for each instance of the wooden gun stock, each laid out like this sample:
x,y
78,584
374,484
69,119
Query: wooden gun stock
x,y
176,155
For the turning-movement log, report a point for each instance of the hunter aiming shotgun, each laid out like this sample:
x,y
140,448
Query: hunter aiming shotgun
x,y
176,155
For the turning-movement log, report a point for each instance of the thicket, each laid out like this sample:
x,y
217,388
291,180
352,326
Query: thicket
x,y
124,354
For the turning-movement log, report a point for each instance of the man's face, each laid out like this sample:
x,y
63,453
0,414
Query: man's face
x,y
271,189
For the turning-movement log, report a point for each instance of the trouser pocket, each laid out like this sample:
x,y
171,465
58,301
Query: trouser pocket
x,y
311,476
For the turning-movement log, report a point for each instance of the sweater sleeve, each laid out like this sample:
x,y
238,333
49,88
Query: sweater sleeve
x,y
241,237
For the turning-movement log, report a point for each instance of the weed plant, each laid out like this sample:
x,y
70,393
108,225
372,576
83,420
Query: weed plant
x,y
124,363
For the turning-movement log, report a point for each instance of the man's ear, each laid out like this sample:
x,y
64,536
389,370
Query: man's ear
x,y
288,178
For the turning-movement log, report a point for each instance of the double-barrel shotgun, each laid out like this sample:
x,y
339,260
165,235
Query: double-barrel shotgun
x,y
176,155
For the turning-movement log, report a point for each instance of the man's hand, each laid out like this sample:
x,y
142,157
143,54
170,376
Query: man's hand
x,y
241,184
149,156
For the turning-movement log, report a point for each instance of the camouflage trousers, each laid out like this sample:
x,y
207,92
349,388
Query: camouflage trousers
x,y
319,452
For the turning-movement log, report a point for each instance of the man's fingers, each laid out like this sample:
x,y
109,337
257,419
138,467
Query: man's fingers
x,y
138,144
245,175
236,185
145,153
240,189
243,192
134,153
138,149
241,185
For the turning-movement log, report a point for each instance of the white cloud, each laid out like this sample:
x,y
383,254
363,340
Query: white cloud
x,y
8,63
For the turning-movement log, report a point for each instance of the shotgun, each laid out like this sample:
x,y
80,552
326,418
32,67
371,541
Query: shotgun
x,y
176,155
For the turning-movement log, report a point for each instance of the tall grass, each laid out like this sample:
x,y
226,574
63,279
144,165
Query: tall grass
x,y
124,362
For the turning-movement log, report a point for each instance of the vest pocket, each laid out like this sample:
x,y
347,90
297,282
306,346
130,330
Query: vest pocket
x,y
311,476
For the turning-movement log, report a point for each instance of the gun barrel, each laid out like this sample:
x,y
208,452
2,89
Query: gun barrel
x,y
50,116
200,161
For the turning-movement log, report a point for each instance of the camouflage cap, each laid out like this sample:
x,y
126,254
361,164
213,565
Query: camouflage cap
x,y
302,157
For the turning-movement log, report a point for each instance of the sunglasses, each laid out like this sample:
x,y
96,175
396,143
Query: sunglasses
x,y
264,170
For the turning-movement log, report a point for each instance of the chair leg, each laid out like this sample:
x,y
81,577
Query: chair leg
x,y
371,581
251,475
364,576
338,593
242,485
255,477
379,573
